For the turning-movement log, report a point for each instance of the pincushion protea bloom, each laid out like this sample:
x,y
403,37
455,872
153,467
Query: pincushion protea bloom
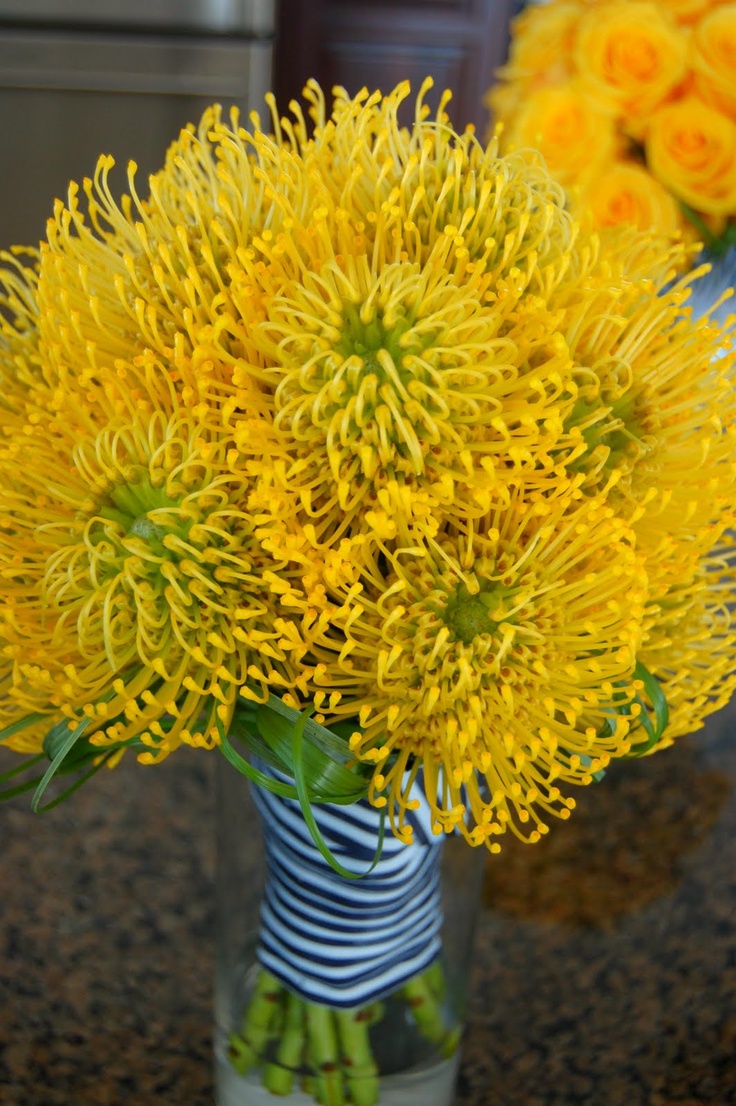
x,y
490,662
134,583
355,414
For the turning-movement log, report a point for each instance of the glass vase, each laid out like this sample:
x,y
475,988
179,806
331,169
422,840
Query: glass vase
x,y
707,291
331,989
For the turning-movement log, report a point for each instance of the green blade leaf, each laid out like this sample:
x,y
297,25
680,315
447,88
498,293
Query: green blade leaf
x,y
316,734
327,780
77,783
240,764
27,762
84,753
301,786
245,731
20,724
60,746
278,754
654,725
300,792
19,789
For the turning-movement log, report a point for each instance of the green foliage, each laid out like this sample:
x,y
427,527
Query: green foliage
x,y
654,714
315,758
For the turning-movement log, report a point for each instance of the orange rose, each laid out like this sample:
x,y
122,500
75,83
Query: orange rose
x,y
714,58
626,193
574,135
691,149
631,56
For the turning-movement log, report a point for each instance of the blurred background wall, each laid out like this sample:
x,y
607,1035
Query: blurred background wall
x,y
84,77
352,43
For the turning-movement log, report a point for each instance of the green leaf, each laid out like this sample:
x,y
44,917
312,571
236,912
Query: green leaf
x,y
246,732
655,713
301,786
250,771
326,779
21,724
57,746
104,757
273,745
19,789
302,791
26,764
316,734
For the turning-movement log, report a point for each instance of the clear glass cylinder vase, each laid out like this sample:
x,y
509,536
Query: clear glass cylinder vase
x,y
708,290
330,989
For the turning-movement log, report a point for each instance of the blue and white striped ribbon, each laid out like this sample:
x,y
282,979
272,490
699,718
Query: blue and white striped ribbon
x,y
338,941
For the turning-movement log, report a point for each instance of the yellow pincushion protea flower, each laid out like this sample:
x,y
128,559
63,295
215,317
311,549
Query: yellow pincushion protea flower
x,y
689,641
133,582
490,662
396,392
397,395
657,416
355,414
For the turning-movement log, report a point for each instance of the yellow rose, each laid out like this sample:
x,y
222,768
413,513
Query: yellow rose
x,y
688,11
631,56
540,54
691,149
542,38
503,102
627,193
714,58
574,135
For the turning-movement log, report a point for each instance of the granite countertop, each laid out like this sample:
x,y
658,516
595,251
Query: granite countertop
x,y
605,972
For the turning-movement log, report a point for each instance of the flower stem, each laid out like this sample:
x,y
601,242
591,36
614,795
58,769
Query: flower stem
x,y
278,1077
323,1040
332,1047
309,1082
435,976
361,1073
259,1021
420,995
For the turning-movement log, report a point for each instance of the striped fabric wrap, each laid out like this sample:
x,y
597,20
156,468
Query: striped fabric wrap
x,y
347,942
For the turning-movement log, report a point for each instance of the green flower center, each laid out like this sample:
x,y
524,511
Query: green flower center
x,y
364,340
142,527
468,615
130,505
621,433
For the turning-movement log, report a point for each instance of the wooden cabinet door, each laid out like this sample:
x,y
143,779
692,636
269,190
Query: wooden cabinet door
x,y
460,43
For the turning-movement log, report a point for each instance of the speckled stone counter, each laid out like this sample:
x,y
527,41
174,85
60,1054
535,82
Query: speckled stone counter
x,y
605,972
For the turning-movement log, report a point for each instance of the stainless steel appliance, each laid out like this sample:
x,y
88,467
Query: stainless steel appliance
x,y
83,77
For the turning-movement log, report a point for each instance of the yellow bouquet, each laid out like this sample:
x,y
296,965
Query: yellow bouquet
x,y
343,450
633,104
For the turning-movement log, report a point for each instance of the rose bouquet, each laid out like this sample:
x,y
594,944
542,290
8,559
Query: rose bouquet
x,y
344,451
633,105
